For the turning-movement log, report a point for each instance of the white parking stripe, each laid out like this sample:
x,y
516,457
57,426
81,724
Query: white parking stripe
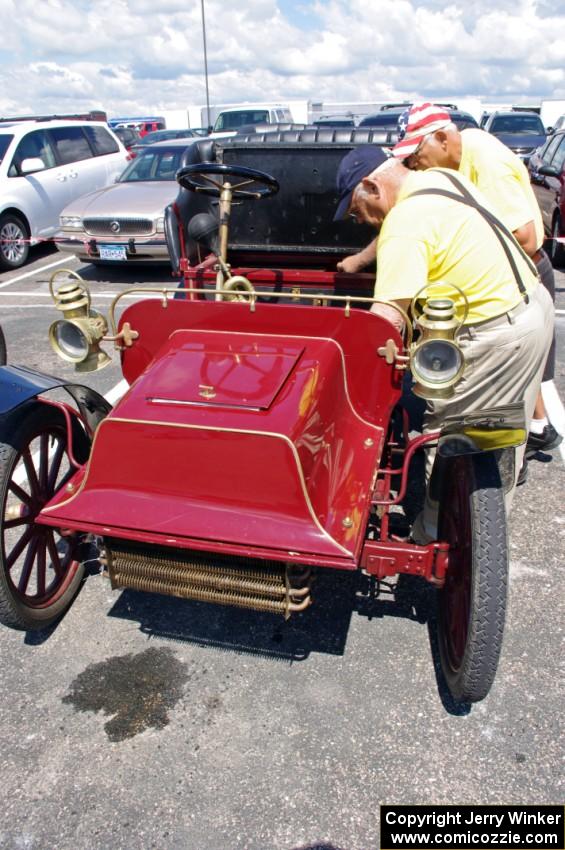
x,y
96,294
117,392
555,410
36,271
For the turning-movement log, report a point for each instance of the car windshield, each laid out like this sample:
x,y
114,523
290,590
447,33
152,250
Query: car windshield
x,y
153,164
5,139
383,119
463,121
527,125
234,120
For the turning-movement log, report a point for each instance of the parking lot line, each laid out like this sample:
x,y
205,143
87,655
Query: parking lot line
x,y
36,271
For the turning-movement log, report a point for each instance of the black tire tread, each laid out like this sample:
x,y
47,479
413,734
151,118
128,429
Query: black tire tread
x,y
474,679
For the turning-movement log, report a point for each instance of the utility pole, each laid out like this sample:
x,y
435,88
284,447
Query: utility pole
x,y
205,65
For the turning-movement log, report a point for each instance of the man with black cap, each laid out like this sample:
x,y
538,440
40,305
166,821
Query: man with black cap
x,y
428,233
354,166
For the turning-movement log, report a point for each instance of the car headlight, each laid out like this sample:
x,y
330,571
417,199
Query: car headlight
x,y
70,222
437,362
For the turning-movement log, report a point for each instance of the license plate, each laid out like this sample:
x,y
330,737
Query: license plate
x,y
112,252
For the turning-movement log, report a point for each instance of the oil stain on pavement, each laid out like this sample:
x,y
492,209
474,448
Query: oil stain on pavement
x,y
138,691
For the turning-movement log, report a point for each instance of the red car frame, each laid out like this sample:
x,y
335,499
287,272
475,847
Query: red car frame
x,y
262,438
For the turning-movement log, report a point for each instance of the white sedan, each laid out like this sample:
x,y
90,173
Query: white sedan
x,y
124,222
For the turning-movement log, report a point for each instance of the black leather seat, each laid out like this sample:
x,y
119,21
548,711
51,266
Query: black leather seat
x,y
299,219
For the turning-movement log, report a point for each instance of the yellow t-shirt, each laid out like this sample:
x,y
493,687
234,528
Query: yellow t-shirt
x,y
502,177
431,238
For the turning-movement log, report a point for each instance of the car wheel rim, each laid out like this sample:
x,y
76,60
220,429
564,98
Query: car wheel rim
x,y
455,598
10,242
38,562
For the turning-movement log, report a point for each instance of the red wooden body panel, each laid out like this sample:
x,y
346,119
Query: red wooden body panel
x,y
279,457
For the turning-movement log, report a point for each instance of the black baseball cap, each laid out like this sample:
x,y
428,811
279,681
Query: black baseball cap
x,y
355,165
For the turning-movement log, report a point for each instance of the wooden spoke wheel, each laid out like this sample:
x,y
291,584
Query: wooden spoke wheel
x,y
39,569
472,603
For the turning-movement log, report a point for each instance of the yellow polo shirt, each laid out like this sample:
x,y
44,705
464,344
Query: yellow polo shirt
x,y
430,238
503,179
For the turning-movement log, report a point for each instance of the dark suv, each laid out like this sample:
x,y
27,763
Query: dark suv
x,y
547,174
387,119
522,132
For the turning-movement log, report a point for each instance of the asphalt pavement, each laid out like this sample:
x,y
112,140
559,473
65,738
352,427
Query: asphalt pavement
x,y
142,721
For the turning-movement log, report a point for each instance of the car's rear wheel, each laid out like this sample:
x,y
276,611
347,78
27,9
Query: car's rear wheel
x,y
472,603
557,250
39,569
14,241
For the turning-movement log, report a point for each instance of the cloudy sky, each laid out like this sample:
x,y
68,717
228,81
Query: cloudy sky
x,y
140,56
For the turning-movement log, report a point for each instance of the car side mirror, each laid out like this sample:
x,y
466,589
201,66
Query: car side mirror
x,y
32,163
549,131
548,171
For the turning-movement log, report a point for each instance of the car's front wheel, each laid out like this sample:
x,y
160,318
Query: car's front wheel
x,y
557,250
14,241
40,569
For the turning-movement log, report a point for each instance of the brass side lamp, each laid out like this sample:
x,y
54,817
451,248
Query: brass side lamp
x,y
76,337
436,360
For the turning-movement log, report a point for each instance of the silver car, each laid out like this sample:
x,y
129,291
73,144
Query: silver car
x,y
123,223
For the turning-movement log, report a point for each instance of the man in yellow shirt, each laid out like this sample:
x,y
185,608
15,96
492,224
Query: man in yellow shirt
x,y
429,237
432,140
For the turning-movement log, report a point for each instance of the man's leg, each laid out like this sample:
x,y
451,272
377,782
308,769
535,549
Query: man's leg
x,y
504,363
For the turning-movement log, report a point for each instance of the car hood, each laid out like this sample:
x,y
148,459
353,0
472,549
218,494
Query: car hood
x,y
146,198
520,140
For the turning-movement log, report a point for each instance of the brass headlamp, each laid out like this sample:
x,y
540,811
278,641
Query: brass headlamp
x,y
436,360
76,337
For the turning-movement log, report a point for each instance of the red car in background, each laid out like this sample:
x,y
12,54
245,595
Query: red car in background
x,y
547,175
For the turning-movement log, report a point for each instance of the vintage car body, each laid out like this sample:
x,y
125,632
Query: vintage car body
x,y
262,437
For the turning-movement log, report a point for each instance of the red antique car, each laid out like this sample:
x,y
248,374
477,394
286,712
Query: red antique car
x,y
262,438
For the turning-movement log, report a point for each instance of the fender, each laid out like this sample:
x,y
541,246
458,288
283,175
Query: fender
x,y
19,384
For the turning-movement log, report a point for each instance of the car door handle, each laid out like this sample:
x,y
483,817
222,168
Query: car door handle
x,y
73,174
61,178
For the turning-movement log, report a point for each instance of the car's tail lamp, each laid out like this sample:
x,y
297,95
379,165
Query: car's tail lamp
x,y
436,360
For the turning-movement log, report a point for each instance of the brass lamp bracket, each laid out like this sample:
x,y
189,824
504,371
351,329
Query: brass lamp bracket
x,y
124,339
390,353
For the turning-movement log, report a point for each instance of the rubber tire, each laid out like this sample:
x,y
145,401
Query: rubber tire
x,y
18,225
557,250
17,432
473,485
3,355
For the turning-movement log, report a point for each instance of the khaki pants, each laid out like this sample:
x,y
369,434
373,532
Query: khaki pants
x,y
504,362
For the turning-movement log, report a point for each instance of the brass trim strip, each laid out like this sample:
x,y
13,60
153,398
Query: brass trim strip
x,y
348,300
223,430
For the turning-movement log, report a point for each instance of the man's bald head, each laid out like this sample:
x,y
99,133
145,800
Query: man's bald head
x,y
377,193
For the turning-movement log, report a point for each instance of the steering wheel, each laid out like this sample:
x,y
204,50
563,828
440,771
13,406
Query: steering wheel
x,y
201,178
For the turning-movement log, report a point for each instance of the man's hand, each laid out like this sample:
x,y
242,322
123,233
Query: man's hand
x,y
357,262
387,311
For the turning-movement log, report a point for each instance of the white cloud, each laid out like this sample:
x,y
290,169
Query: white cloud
x,y
145,56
